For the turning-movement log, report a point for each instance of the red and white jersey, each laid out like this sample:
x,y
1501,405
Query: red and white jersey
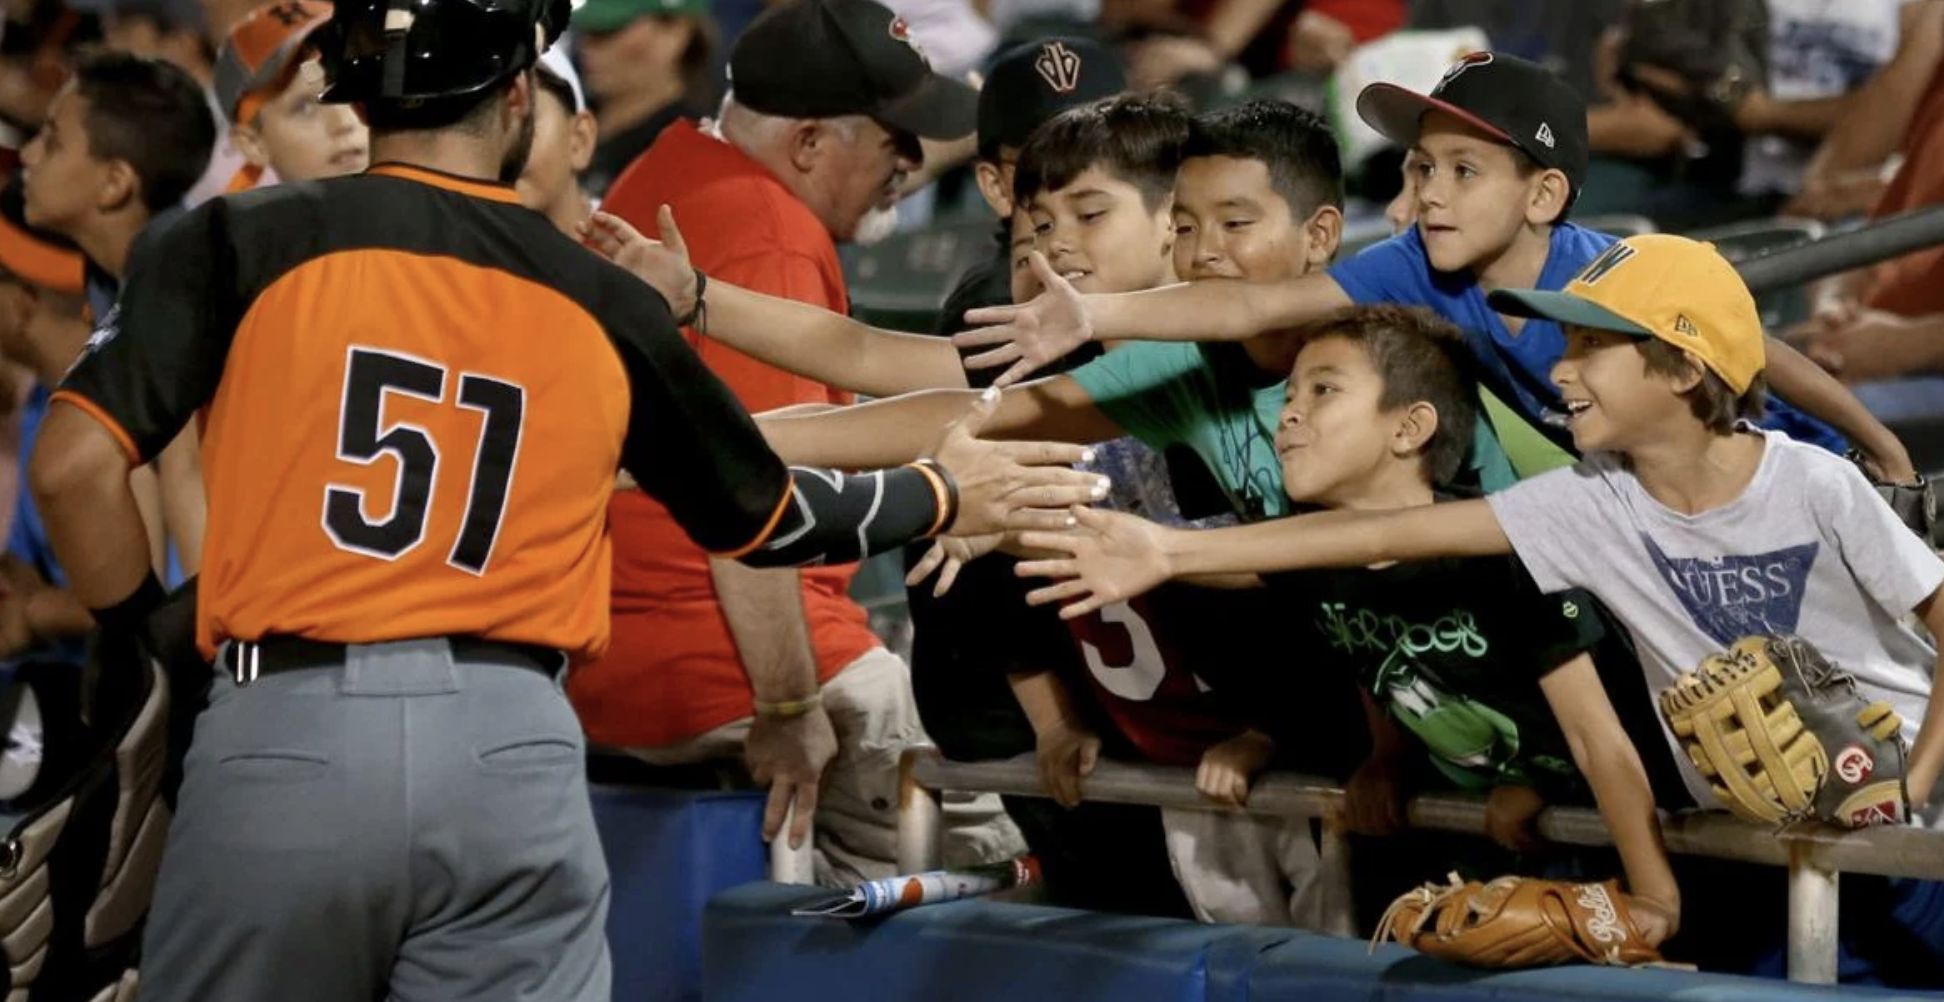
x,y
1141,669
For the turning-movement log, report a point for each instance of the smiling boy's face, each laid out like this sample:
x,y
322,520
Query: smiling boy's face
x,y
1099,234
1612,400
1231,222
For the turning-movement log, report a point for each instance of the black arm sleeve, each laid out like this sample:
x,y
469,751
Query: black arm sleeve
x,y
839,518
158,354
693,447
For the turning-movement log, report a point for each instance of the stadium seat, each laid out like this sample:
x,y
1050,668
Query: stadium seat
x,y
1621,225
1780,308
667,852
1361,233
901,282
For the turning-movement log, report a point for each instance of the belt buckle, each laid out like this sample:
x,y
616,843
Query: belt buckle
x,y
249,661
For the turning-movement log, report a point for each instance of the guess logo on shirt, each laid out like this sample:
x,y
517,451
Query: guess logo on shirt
x,y
1730,597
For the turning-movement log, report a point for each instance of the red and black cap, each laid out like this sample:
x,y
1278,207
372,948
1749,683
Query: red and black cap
x,y
830,58
1516,101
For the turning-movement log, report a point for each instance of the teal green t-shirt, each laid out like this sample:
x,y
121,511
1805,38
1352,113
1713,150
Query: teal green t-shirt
x,y
1211,399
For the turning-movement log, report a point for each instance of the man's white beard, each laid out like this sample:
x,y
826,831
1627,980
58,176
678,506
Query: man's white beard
x,y
876,225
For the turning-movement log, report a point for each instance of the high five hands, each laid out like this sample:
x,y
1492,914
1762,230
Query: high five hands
x,y
1030,335
1105,557
663,264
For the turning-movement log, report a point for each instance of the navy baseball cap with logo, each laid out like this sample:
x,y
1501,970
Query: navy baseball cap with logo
x,y
1516,101
1031,83
830,58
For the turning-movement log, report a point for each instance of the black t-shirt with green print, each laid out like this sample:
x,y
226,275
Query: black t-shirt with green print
x,y
1454,649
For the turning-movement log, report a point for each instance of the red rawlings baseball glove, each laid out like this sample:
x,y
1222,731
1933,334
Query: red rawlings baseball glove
x,y
1518,922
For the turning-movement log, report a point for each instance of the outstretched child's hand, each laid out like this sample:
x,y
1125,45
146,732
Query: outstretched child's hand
x,y
949,555
1109,557
1227,769
1509,814
662,263
1029,335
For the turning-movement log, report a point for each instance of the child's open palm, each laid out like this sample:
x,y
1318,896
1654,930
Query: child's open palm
x,y
663,264
1108,557
1030,335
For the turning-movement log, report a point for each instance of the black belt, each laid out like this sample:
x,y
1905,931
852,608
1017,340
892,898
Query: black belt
x,y
250,660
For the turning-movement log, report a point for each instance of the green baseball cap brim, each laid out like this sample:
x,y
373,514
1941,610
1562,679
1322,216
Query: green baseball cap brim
x,y
603,16
1564,308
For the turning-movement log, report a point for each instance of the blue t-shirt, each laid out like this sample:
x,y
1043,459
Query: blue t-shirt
x,y
1399,271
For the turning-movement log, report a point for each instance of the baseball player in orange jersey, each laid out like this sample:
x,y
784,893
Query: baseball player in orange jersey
x,y
418,394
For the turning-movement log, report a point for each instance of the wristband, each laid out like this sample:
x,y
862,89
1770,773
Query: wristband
x,y
698,316
948,500
789,708
130,615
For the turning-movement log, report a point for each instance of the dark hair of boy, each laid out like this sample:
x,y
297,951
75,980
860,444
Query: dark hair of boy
x,y
150,114
1295,144
1420,356
1135,137
1710,400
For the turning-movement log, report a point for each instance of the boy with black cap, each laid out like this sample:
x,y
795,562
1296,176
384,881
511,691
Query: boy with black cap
x,y
1500,151
1028,85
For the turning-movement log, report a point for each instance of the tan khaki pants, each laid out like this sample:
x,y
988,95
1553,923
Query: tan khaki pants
x,y
872,710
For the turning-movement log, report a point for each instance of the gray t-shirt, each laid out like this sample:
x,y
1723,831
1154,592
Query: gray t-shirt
x,y
1809,548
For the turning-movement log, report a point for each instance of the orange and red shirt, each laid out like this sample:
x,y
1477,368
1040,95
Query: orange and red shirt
x,y
673,671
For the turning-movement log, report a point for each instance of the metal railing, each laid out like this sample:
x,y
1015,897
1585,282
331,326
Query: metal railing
x,y
1815,854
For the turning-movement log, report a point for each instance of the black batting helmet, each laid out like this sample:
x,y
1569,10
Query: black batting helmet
x,y
417,50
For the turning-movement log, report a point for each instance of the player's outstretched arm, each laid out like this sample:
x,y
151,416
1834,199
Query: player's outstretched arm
x,y
691,445
1113,557
976,488
1612,767
898,430
1027,337
799,338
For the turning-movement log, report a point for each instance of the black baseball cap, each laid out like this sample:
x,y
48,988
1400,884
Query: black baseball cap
x,y
1031,83
1517,101
828,58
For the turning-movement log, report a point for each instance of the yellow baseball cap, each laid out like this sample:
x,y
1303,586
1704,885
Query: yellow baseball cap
x,y
1660,285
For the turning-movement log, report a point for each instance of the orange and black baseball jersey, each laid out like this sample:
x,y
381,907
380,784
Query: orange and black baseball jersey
x,y
418,393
